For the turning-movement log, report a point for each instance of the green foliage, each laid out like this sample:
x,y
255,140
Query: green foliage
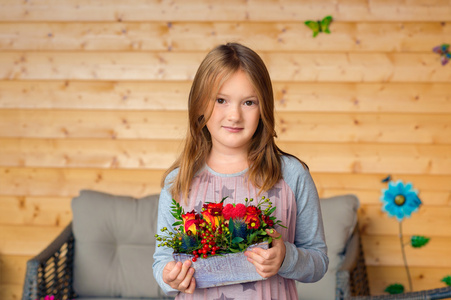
x,y
418,241
395,288
447,280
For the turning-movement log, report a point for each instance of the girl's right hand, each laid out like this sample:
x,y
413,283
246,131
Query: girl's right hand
x,y
180,276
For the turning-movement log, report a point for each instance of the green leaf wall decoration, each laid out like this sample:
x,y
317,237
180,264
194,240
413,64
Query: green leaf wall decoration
x,y
418,241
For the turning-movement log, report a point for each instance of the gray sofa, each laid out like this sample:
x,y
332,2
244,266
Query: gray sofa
x,y
106,252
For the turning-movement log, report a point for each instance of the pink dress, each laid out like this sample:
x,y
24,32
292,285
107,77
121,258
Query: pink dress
x,y
211,187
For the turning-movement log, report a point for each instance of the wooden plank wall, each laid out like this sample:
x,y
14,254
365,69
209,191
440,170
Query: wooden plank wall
x,y
93,95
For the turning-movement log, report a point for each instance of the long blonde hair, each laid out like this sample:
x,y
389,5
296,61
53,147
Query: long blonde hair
x,y
264,156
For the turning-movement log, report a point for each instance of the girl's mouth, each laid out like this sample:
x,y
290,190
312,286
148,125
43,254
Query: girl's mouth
x,y
233,129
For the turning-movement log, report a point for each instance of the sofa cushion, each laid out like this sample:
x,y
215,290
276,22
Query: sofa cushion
x,y
115,242
339,218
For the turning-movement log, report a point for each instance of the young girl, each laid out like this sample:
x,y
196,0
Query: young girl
x,y
230,151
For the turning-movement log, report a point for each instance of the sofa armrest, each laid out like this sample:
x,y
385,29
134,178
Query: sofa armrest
x,y
352,278
50,272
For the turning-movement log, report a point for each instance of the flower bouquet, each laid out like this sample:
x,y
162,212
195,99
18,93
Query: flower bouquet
x,y
216,238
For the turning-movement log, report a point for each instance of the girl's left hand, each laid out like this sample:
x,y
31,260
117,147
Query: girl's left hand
x,y
268,262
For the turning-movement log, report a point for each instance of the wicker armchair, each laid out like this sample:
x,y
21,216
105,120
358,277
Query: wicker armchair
x,y
50,272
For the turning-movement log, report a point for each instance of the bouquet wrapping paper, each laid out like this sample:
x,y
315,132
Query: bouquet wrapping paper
x,y
225,269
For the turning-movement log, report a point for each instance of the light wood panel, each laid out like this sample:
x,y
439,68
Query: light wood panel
x,y
299,127
386,251
12,269
159,154
89,153
312,67
11,291
105,124
423,278
203,36
428,197
167,95
49,211
233,10
428,221
33,239
358,182
68,182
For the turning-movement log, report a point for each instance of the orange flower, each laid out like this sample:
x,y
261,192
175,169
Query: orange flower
x,y
191,222
211,219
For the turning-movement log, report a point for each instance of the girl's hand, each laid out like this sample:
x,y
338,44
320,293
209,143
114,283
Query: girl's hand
x,y
180,276
268,262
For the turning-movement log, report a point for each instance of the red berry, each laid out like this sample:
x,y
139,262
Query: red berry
x,y
194,252
205,256
196,256
194,259
214,228
204,251
213,252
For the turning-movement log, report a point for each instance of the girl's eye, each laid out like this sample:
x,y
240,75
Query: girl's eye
x,y
249,103
220,101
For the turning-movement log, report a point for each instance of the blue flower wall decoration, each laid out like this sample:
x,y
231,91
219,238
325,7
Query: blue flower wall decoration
x,y
400,200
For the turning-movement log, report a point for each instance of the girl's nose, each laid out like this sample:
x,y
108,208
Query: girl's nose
x,y
234,113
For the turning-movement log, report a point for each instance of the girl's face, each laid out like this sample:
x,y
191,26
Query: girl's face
x,y
235,115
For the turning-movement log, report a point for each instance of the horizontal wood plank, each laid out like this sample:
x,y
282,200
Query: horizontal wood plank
x,y
194,10
289,96
11,291
423,278
430,221
291,127
68,182
33,239
46,211
297,66
430,198
159,154
13,269
364,182
203,36
61,182
106,124
386,251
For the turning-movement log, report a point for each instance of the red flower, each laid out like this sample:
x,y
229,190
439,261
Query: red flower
x,y
252,211
253,222
191,221
234,212
214,209
268,221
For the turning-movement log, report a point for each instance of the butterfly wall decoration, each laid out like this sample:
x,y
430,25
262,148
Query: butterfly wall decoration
x,y
320,25
443,50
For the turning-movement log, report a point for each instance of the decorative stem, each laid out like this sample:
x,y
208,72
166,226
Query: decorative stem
x,y
404,256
